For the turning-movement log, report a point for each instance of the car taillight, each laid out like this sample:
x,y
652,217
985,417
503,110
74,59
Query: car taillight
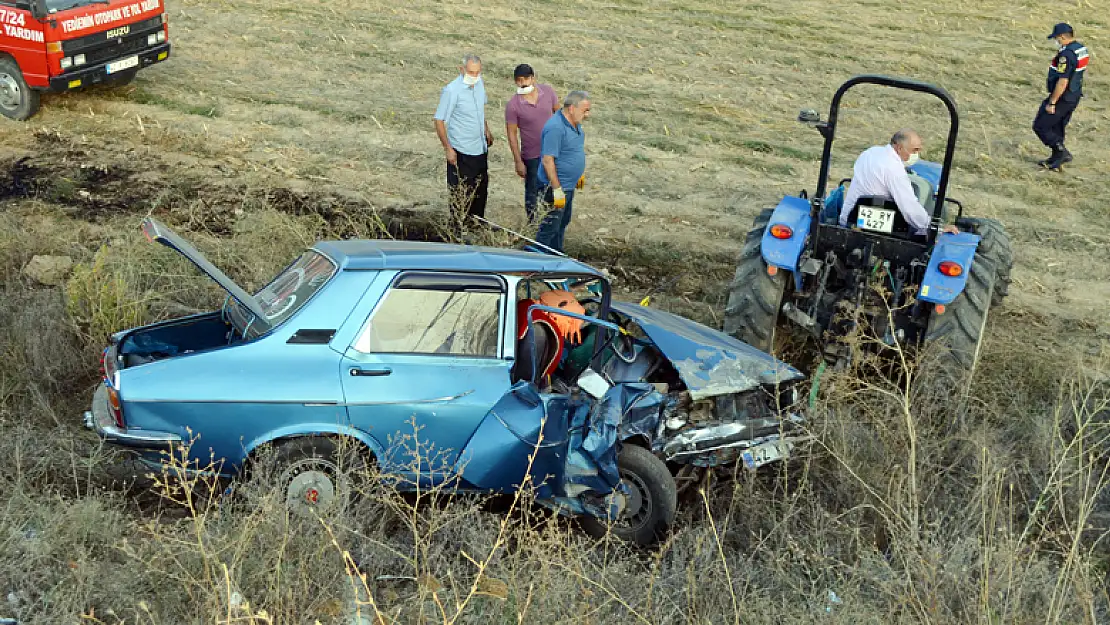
x,y
114,406
950,269
781,231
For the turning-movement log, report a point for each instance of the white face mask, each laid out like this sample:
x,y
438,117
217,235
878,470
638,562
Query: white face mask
x,y
526,90
470,81
912,159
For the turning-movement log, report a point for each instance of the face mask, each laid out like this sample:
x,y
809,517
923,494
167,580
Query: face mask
x,y
526,90
912,159
470,81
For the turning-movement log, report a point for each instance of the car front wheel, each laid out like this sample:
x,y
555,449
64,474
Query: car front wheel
x,y
651,502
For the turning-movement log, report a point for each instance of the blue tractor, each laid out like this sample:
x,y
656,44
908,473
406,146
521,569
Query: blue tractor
x,y
800,274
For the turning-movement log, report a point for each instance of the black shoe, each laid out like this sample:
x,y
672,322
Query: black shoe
x,y
1060,156
1047,162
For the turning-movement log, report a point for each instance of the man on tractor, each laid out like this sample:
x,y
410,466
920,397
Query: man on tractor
x,y
881,171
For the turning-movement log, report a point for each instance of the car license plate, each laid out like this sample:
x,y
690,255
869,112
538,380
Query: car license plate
x,y
122,64
877,219
766,453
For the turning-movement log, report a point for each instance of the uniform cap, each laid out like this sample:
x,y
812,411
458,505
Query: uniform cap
x,y
1061,29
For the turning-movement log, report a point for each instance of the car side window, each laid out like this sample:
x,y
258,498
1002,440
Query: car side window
x,y
454,321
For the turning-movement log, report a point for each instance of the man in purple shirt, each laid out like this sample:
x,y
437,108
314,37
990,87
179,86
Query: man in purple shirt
x,y
528,111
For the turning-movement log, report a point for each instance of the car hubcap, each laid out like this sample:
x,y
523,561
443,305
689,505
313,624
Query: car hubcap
x,y
10,93
311,485
638,506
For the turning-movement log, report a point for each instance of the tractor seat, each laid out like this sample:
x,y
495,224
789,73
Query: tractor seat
x,y
923,190
900,228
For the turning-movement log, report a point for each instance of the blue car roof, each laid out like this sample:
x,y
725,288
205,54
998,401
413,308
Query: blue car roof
x,y
367,254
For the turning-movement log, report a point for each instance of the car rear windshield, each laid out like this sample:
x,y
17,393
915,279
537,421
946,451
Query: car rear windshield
x,y
287,293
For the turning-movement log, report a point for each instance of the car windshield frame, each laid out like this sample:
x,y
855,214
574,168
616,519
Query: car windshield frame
x,y
287,301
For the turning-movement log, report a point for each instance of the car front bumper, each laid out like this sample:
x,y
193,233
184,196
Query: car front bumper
x,y
98,73
99,419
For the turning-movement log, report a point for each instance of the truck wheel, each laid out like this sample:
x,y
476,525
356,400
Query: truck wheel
x,y
652,499
959,331
754,298
314,474
17,100
995,247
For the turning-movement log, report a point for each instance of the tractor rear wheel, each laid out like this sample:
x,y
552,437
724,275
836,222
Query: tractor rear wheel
x,y
995,247
960,330
754,298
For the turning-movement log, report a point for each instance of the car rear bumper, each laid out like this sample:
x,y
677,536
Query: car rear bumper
x,y
99,419
99,73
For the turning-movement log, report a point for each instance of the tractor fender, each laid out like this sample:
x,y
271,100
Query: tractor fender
x,y
958,248
792,212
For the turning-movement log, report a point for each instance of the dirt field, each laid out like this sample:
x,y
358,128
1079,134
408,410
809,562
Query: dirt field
x,y
276,122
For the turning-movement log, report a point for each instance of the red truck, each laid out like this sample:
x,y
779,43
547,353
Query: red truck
x,y
59,45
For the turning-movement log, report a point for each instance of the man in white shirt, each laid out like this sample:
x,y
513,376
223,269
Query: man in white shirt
x,y
881,171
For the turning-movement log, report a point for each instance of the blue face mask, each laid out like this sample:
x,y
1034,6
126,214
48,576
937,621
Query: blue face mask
x,y
470,81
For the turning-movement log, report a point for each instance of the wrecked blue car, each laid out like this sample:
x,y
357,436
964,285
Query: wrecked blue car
x,y
468,368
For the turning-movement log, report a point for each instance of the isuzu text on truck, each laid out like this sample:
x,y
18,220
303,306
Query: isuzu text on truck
x,y
58,45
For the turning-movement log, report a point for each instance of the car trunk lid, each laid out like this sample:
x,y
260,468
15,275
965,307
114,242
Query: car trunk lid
x,y
156,231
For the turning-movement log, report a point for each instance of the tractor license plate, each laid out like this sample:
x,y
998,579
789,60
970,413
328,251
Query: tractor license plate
x,y
766,453
877,219
122,64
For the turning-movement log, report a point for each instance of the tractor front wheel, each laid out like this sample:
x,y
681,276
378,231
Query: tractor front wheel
x,y
754,298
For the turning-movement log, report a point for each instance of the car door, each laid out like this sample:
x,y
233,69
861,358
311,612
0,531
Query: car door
x,y
426,367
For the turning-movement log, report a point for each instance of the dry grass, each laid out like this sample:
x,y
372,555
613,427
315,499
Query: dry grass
x,y
278,123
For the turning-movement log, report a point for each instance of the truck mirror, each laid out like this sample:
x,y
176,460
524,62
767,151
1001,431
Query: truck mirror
x,y
38,9
809,116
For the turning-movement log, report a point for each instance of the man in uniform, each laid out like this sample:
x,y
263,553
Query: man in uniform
x,y
1065,87
460,122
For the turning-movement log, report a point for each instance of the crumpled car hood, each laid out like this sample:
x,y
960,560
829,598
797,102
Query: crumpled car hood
x,y
709,362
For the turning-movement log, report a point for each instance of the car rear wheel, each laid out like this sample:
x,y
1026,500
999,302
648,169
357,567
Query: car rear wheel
x,y
316,476
17,100
754,298
651,502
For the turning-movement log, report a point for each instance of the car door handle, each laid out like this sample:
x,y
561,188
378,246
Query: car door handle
x,y
370,373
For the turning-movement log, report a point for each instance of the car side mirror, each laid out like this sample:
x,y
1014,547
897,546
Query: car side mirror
x,y
38,9
809,116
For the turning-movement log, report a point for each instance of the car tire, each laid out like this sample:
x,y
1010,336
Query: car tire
x,y
17,100
653,495
755,298
316,475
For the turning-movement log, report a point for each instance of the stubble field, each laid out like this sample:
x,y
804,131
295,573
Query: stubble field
x,y
276,123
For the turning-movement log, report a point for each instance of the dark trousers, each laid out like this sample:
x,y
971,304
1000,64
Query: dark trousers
x,y
532,187
1050,128
555,223
468,185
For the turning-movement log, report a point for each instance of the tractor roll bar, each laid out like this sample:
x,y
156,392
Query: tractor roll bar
x,y
828,129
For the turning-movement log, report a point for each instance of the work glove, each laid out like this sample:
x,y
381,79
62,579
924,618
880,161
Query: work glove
x,y
581,182
560,197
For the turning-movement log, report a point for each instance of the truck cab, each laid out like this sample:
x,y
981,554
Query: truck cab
x,y
60,45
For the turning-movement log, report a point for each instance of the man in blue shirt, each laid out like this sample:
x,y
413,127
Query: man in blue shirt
x,y
564,162
1065,88
460,122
